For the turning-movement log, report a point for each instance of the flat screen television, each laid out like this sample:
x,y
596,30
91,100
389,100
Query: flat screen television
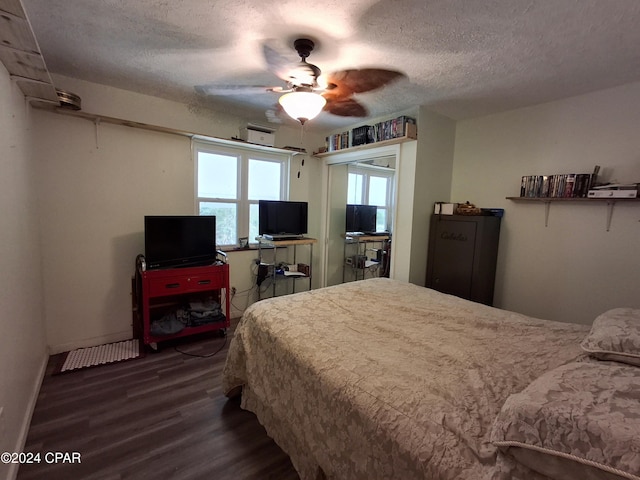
x,y
361,218
172,241
282,219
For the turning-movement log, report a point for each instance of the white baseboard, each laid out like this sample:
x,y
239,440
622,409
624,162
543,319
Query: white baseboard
x,y
26,422
90,342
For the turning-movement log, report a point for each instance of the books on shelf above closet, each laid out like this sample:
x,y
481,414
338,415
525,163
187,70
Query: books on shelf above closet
x,y
395,130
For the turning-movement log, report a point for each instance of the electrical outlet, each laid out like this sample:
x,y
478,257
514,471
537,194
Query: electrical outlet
x,y
233,291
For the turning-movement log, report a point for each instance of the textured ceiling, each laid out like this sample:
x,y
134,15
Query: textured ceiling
x,y
462,58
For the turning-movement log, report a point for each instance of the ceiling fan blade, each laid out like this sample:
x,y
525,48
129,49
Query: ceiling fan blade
x,y
344,107
223,90
276,63
361,80
275,114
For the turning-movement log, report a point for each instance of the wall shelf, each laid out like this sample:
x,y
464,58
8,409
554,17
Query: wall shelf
x,y
549,200
367,146
99,119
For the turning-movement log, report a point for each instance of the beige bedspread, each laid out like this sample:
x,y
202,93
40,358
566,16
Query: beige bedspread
x,y
380,379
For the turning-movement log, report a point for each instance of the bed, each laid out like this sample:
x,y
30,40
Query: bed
x,y
381,379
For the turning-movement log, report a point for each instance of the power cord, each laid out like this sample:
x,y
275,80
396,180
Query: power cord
x,y
203,356
254,275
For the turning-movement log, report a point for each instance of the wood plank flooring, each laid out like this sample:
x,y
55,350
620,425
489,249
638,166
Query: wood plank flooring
x,y
159,417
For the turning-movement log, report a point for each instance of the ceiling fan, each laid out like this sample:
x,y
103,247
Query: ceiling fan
x,y
308,91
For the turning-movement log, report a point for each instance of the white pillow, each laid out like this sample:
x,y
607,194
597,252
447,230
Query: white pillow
x,y
578,421
615,336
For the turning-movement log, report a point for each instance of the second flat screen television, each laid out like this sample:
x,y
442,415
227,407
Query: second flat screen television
x,y
282,219
361,218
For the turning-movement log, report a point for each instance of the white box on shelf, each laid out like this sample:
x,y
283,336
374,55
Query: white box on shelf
x,y
612,193
261,137
445,208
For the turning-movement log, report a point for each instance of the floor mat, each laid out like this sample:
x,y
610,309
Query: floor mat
x,y
100,355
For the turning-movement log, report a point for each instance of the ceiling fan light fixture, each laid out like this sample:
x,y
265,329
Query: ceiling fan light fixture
x,y
302,105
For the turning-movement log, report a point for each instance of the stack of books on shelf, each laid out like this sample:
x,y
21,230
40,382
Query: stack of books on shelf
x,y
337,141
389,129
564,185
361,136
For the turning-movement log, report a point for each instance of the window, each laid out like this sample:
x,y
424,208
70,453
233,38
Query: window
x,y
372,185
229,183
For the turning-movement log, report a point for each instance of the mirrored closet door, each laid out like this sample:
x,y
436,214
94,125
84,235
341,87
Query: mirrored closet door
x,y
368,180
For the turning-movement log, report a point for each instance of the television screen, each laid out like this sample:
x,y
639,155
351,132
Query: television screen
x,y
277,218
179,240
361,218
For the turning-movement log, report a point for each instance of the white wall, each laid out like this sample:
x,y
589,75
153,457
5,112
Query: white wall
x,y
23,352
337,199
573,269
96,183
432,178
424,177
403,220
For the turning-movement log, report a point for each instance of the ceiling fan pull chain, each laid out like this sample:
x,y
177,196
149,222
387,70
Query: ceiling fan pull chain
x,y
301,148
96,123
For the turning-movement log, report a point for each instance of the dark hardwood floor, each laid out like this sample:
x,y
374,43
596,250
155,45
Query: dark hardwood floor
x,y
159,417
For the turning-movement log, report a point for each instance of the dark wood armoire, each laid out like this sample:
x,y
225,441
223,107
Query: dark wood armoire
x,y
463,251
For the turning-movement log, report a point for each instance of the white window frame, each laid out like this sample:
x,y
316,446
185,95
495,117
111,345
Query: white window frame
x,y
243,154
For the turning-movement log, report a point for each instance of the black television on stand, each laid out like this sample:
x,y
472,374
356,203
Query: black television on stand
x,y
282,220
172,241
360,219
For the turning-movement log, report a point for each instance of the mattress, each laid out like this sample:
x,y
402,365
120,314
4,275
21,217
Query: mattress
x,y
382,379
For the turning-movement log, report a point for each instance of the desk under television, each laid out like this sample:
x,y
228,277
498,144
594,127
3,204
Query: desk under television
x,y
366,255
283,265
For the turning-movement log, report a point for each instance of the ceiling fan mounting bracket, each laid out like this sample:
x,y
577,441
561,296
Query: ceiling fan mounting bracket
x,y
304,47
